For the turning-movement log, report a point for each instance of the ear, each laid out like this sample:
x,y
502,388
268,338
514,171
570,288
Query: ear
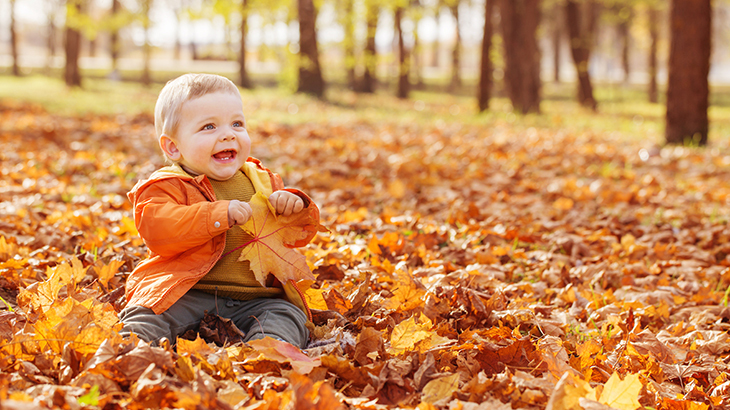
x,y
169,147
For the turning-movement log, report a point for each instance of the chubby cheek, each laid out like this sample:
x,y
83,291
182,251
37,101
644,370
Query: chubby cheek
x,y
245,148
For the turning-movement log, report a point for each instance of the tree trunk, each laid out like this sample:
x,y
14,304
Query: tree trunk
x,y
435,56
404,65
14,40
520,19
456,52
370,53
557,37
51,37
689,66
244,80
146,47
581,39
310,74
485,71
625,36
349,43
417,56
654,34
625,15
114,44
72,47
177,50
92,47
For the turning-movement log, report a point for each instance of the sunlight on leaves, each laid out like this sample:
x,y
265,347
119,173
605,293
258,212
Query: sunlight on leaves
x,y
622,394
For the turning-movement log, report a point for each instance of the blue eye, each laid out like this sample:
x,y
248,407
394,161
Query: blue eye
x,y
238,123
208,127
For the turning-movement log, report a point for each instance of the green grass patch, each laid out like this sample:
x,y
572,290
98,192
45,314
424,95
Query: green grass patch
x,y
96,97
623,110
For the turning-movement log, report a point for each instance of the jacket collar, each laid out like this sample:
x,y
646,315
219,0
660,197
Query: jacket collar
x,y
258,175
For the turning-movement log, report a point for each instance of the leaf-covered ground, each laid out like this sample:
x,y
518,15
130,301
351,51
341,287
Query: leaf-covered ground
x,y
464,268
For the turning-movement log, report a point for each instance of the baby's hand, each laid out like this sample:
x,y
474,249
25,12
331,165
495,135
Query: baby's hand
x,y
238,212
286,203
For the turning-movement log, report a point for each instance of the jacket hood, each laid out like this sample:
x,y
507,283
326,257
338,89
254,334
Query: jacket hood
x,y
259,176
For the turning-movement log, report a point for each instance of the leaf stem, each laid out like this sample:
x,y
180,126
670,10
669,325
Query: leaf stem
x,y
10,308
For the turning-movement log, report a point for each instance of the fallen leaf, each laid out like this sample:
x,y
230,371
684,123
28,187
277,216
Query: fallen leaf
x,y
270,250
622,394
441,389
283,352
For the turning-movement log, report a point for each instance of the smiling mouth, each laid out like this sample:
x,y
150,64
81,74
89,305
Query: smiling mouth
x,y
226,155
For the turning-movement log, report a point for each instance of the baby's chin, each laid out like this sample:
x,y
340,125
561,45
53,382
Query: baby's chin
x,y
224,173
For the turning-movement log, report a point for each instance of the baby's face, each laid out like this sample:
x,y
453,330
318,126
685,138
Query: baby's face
x,y
211,137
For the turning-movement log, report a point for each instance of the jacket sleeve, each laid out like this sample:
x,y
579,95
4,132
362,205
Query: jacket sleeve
x,y
169,226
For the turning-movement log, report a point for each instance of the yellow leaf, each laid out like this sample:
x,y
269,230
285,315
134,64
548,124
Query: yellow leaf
x,y
373,245
192,347
406,293
563,204
441,388
107,272
568,392
397,189
353,216
406,334
127,226
42,297
315,299
622,394
586,353
185,369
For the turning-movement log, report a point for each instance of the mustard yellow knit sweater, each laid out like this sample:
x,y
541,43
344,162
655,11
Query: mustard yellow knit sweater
x,y
229,277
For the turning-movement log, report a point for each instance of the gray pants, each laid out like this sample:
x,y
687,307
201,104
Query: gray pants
x,y
257,318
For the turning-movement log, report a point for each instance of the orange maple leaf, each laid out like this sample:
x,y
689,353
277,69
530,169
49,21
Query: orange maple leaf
x,y
283,352
274,236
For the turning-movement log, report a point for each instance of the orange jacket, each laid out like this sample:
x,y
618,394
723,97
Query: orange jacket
x,y
184,228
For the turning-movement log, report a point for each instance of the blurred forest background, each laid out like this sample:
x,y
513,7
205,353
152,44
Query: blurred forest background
x,y
666,52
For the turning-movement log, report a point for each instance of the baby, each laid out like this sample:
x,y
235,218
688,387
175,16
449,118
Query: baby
x,y
186,213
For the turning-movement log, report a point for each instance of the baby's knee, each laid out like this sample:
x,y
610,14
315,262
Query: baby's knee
x,y
143,322
283,321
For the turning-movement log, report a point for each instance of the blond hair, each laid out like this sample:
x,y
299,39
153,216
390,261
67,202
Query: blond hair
x,y
182,89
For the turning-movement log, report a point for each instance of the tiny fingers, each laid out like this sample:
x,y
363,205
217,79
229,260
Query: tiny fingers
x,y
286,203
298,205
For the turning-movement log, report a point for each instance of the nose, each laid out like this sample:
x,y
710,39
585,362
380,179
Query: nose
x,y
229,135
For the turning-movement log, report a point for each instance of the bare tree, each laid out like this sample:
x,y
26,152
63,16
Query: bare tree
x,y
54,7
14,39
72,46
654,34
114,44
456,51
347,19
581,27
689,66
625,16
520,19
403,58
146,47
416,14
243,78
370,53
557,37
485,72
435,56
310,73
